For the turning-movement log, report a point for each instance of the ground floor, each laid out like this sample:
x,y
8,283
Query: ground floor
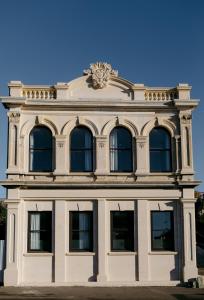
x,y
104,236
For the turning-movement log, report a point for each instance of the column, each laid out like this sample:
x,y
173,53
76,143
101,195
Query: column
x,y
189,239
142,155
186,143
143,239
102,241
102,155
13,141
60,240
62,156
11,273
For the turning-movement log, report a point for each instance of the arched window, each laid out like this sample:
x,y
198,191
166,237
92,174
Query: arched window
x,y
121,150
81,150
40,151
160,150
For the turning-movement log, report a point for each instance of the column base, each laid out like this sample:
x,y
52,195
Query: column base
x,y
11,277
101,278
190,271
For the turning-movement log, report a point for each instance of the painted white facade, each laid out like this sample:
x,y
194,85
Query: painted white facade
x,y
100,108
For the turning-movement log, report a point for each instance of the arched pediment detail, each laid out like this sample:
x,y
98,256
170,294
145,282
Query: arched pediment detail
x,y
28,126
117,88
118,121
71,124
170,126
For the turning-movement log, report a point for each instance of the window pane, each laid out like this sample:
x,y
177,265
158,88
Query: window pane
x,y
40,149
81,160
122,231
41,160
160,150
81,150
81,231
40,231
120,150
41,137
162,230
160,161
160,139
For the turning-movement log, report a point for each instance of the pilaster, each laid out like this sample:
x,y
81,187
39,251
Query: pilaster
x,y
60,240
102,241
62,158
189,239
102,155
142,159
13,143
11,273
143,239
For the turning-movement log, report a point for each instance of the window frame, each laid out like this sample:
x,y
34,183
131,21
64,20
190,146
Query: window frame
x,y
32,150
117,149
90,231
29,250
172,230
91,150
161,150
132,248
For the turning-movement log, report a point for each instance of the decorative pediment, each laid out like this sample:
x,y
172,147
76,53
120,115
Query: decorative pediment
x,y
100,74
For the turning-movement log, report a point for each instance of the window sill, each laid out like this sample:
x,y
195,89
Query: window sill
x,y
31,254
118,253
38,173
80,253
163,253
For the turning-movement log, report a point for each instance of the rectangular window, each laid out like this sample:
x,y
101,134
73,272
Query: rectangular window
x,y
162,230
40,231
81,231
122,230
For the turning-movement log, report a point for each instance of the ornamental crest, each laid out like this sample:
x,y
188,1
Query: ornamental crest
x,y
100,74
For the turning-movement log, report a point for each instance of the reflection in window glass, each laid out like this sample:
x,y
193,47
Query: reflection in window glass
x,y
162,230
40,149
81,150
160,150
120,150
81,231
122,230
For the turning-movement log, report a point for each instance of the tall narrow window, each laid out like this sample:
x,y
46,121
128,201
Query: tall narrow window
x,y
162,230
40,231
121,159
122,230
41,149
81,150
81,231
160,150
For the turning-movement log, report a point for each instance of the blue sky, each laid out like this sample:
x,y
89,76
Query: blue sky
x,y
158,43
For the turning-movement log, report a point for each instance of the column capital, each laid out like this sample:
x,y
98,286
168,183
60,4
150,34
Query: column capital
x,y
190,200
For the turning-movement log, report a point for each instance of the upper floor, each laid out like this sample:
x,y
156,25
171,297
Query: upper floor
x,y
99,128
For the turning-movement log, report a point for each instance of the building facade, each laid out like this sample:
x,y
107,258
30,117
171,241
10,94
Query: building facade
x,y
100,183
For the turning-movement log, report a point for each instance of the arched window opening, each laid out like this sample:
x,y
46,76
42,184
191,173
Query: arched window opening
x,y
160,150
121,159
40,149
81,150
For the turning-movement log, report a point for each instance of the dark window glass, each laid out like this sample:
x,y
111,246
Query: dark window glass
x,y
120,150
160,150
40,231
40,149
122,230
81,150
162,230
81,231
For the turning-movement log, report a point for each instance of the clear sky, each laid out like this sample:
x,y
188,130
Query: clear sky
x,y
155,42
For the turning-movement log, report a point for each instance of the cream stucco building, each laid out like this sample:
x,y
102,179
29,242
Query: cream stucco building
x,y
100,182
